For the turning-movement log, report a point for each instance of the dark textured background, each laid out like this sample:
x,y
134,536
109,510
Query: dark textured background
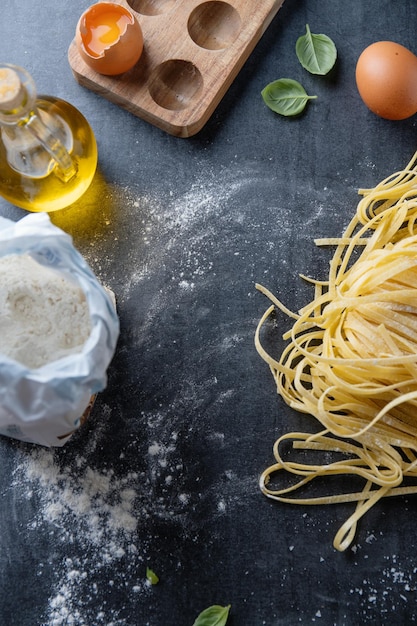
x,y
181,229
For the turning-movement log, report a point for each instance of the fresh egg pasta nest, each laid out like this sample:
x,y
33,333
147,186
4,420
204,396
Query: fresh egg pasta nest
x,y
351,357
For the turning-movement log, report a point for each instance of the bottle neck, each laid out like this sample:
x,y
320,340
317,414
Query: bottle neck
x,y
17,94
23,128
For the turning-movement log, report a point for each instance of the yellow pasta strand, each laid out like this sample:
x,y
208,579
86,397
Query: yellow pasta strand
x,y
351,358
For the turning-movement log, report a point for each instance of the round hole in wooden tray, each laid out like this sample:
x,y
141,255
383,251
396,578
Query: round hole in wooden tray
x,y
151,7
175,84
214,25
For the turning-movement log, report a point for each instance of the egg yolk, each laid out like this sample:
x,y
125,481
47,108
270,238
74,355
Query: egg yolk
x,y
104,30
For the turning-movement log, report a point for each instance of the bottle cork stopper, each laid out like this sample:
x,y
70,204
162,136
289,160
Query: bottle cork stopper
x,y
11,89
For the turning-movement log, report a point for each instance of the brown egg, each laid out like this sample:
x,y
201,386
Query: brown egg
x,y
109,38
386,77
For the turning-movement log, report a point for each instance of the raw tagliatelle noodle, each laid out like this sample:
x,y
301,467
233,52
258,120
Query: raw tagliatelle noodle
x,y
350,359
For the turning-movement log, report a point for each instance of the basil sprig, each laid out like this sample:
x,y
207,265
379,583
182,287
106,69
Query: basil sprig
x,y
286,96
316,53
215,615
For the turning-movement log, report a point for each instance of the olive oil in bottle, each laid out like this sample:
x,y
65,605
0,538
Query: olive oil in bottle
x,y
48,152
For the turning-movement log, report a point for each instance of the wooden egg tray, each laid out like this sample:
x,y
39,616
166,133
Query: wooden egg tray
x,y
193,50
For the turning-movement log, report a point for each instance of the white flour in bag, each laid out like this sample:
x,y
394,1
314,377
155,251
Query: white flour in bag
x,y
44,316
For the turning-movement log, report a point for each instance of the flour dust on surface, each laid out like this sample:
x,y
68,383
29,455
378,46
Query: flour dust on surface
x,y
98,517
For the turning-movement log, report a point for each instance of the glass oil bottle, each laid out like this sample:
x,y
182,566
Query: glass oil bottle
x,y
48,152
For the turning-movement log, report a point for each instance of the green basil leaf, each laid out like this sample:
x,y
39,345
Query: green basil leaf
x,y
285,96
213,616
151,576
316,53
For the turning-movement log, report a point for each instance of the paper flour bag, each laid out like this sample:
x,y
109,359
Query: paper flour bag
x,y
58,332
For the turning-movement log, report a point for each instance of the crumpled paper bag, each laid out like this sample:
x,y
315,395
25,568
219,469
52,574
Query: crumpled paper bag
x,y
45,405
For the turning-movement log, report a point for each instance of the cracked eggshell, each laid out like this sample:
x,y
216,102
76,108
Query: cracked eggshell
x,y
109,38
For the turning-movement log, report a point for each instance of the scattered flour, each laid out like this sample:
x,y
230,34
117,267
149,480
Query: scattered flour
x,y
392,584
95,515
99,523
92,510
183,232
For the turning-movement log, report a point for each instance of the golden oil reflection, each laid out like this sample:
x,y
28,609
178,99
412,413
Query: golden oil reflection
x,y
90,216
